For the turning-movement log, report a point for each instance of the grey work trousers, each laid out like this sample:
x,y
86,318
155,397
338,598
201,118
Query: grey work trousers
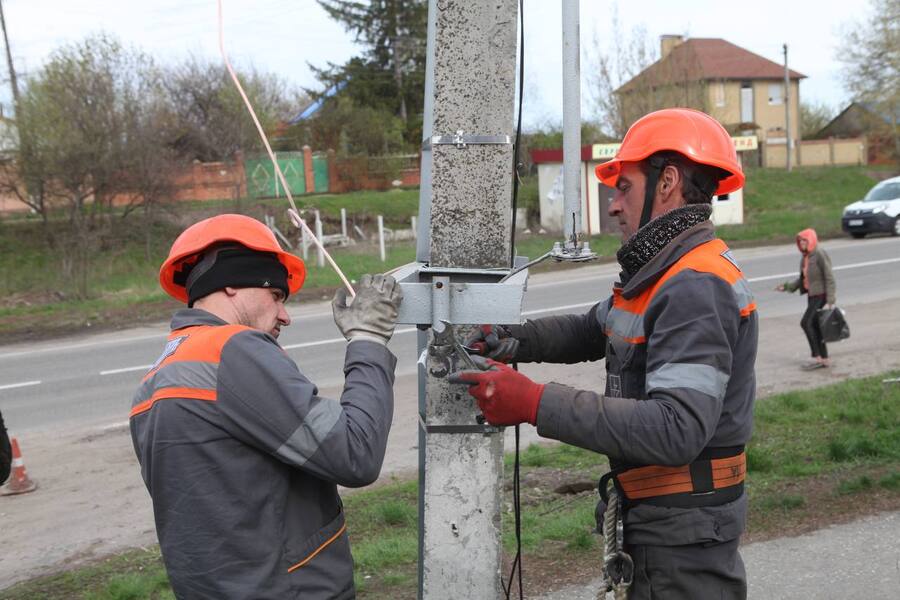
x,y
711,571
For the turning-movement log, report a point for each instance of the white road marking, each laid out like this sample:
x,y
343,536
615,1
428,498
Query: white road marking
x,y
335,340
11,386
126,370
870,263
18,353
399,331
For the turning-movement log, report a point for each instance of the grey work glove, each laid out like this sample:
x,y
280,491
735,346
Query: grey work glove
x,y
372,314
493,341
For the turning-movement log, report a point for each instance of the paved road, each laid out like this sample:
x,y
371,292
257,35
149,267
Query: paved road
x,y
89,380
844,562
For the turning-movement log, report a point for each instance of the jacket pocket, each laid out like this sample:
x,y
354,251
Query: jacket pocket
x,y
321,566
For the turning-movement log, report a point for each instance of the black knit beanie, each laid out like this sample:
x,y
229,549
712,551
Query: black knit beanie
x,y
233,266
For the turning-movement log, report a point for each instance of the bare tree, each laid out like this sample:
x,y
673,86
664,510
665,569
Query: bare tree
x,y
871,56
83,123
628,79
211,120
814,116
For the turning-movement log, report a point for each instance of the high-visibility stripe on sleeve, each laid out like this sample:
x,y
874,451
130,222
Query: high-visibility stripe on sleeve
x,y
702,378
744,296
306,439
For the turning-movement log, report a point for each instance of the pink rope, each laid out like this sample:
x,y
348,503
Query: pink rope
x,y
294,213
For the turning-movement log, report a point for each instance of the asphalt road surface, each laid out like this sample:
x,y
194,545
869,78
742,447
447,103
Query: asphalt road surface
x,y
90,380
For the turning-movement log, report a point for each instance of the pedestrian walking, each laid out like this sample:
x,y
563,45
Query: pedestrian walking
x,y
816,280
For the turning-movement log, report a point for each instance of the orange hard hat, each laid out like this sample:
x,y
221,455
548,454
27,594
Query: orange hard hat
x,y
225,228
695,134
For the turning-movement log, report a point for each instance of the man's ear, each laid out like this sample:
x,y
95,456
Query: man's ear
x,y
230,291
669,187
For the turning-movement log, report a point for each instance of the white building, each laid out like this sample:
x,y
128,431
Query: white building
x,y
595,197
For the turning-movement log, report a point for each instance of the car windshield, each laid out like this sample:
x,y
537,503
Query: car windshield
x,y
886,191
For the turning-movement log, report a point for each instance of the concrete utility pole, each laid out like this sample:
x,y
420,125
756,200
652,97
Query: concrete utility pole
x,y
9,62
787,109
464,223
571,120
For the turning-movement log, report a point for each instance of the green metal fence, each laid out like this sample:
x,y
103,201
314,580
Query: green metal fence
x,y
262,182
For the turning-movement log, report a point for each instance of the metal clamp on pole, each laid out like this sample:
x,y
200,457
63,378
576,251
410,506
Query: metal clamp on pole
x,y
461,140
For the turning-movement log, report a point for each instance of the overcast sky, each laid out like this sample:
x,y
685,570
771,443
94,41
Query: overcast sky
x,y
281,36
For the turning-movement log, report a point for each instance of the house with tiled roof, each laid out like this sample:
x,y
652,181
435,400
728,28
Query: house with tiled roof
x,y
743,90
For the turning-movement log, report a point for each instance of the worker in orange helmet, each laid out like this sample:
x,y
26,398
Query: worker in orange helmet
x,y
679,335
240,454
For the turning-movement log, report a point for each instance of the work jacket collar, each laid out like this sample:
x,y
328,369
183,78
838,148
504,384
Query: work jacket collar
x,y
191,317
654,268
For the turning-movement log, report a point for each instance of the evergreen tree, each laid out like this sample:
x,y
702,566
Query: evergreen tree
x,y
390,76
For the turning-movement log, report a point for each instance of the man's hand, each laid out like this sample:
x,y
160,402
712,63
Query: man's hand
x,y
493,341
372,314
506,397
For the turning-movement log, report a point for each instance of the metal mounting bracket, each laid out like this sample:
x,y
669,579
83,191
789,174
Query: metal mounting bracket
x,y
461,140
461,296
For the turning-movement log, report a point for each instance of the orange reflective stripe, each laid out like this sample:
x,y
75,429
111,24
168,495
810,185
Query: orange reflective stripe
x,y
745,312
657,480
203,344
171,393
319,549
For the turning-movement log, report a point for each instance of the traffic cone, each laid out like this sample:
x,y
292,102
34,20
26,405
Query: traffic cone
x,y
19,482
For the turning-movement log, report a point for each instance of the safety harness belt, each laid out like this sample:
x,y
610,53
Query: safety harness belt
x,y
716,477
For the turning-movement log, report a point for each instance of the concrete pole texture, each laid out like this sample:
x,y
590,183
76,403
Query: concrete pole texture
x,y
464,222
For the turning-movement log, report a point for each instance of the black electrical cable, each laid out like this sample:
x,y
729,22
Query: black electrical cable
x,y
515,195
517,505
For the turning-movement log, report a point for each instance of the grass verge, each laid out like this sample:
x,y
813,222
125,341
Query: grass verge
x,y
817,457
39,297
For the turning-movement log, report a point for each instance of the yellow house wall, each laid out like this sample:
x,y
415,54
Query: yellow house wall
x,y
816,153
731,111
771,116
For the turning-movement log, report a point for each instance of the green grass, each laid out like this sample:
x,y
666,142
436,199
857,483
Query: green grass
x,y
39,297
778,204
800,437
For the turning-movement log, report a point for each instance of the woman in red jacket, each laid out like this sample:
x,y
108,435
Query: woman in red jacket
x,y
816,280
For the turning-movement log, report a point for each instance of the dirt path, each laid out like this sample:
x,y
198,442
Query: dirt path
x,y
91,501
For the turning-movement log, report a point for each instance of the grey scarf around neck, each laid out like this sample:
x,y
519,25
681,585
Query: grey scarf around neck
x,y
656,235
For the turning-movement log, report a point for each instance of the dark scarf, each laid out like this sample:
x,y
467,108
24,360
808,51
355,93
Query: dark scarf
x,y
656,235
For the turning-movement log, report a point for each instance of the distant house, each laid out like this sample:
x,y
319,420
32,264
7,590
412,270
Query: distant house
x,y
865,119
743,90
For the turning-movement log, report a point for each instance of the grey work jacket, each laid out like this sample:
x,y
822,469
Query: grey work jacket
x,y
243,468
821,277
688,386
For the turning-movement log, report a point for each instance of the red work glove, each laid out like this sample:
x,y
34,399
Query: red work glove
x,y
506,397
493,341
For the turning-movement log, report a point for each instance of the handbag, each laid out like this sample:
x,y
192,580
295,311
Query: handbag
x,y
833,324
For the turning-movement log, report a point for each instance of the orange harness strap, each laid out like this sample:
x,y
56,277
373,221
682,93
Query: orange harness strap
x,y
653,481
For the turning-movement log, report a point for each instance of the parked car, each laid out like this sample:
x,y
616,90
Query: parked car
x,y
878,211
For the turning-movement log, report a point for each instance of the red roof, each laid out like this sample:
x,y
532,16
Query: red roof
x,y
700,59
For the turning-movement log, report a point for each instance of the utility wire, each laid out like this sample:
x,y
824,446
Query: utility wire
x,y
294,214
516,569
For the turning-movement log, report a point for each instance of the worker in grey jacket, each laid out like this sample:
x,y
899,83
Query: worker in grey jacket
x,y
240,454
816,280
679,336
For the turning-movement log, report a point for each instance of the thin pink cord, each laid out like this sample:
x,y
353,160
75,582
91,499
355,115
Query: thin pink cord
x,y
295,215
